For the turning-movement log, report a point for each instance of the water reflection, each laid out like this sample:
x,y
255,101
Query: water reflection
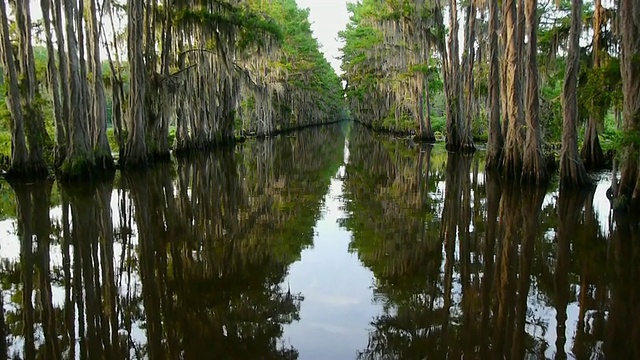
x,y
183,261
467,266
191,260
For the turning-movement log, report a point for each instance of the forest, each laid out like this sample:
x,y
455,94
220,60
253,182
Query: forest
x,y
542,84
139,79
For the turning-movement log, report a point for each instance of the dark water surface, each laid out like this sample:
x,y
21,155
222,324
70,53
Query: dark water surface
x,y
327,244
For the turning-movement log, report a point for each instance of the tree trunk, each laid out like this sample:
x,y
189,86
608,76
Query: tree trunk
x,y
54,85
102,150
32,113
166,109
457,139
424,119
534,169
495,142
117,91
135,153
61,143
502,49
79,163
572,171
18,166
592,154
468,62
512,155
427,131
629,189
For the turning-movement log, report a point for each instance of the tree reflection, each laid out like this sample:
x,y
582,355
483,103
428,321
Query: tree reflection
x,y
623,325
513,272
388,196
32,270
178,262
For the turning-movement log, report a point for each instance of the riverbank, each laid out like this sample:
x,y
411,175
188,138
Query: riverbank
x,y
5,156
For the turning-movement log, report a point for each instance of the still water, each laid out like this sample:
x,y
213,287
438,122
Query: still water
x,y
332,243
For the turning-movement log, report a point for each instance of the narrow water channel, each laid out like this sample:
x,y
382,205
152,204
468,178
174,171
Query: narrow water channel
x,y
337,288
330,243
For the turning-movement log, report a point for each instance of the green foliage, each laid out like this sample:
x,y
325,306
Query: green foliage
x,y
5,143
610,137
385,63
439,123
551,107
308,87
249,23
7,201
600,88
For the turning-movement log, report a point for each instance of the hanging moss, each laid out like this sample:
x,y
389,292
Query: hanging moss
x,y
387,64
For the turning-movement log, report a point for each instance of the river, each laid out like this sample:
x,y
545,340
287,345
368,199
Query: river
x,y
328,243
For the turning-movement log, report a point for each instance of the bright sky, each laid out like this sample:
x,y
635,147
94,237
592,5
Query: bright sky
x,y
327,18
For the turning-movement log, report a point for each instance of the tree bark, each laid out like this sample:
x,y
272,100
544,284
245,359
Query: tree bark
x,y
512,160
80,162
54,84
572,171
63,67
18,166
135,153
102,150
426,131
496,140
629,189
32,113
534,168
504,103
591,153
424,118
468,64
457,138
167,95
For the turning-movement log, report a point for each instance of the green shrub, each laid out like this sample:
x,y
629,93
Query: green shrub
x,y
439,123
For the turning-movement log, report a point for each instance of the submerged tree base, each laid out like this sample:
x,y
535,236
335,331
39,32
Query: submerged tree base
x,y
105,163
594,159
133,160
81,169
425,138
573,174
187,149
27,172
159,156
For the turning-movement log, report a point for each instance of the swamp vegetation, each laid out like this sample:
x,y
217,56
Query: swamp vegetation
x,y
332,241
154,76
543,83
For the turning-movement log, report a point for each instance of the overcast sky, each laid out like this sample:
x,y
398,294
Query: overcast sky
x,y
327,18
